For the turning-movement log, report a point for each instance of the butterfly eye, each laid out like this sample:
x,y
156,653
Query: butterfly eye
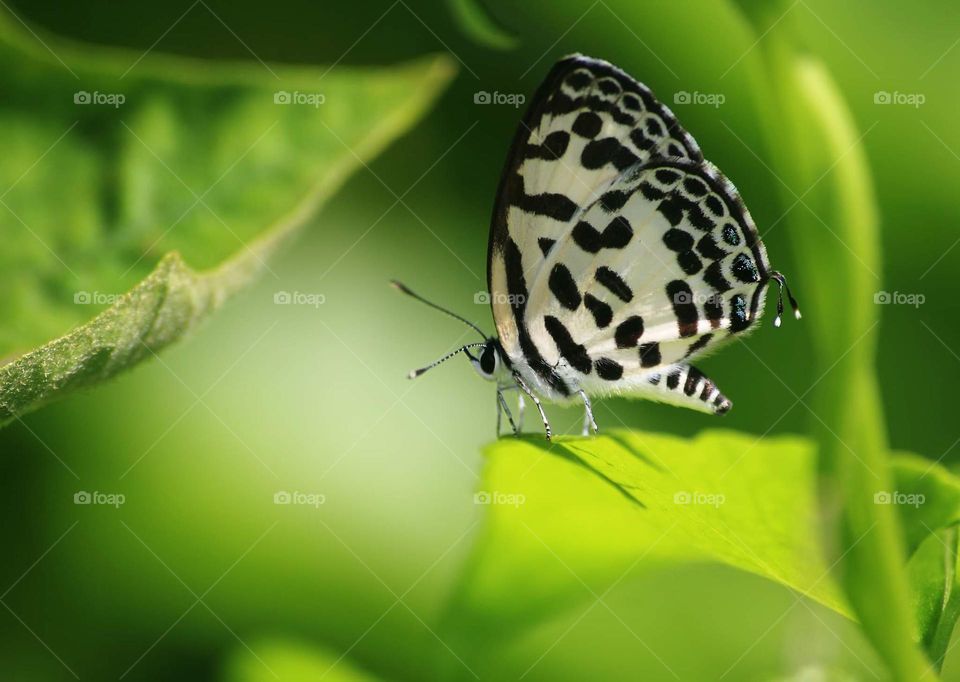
x,y
488,359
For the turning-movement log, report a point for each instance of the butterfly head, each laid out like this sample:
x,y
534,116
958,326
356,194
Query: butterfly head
x,y
489,361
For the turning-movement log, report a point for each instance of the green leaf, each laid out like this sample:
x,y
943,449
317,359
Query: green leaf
x,y
927,496
476,22
120,169
267,660
566,521
571,518
819,160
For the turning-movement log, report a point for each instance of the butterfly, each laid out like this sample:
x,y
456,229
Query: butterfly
x,y
617,253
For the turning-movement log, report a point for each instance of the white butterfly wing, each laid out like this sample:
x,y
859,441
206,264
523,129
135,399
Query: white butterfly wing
x,y
616,252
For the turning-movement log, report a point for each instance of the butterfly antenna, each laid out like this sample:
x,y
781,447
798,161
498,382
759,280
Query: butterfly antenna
x,y
417,372
782,285
403,288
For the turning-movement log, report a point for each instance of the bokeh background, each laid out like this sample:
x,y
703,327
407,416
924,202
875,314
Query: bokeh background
x,y
199,573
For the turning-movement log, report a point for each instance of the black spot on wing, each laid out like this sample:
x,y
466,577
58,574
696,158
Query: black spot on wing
x,y
714,310
654,379
713,276
699,344
608,369
689,262
598,153
744,269
570,350
699,219
587,124
587,237
557,206
614,200
714,205
707,246
602,313
545,245
651,193
673,379
579,79
666,176
616,235
681,297
677,239
631,102
554,146
672,209
564,287
695,186
614,283
517,288
650,354
738,314
694,376
730,234
629,331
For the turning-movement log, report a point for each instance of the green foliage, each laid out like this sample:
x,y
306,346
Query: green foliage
x,y
583,510
277,659
130,159
817,154
593,508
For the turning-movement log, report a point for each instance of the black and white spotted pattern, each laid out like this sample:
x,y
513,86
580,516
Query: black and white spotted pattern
x,y
617,253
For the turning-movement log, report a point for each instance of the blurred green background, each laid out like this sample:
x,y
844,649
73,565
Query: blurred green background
x,y
316,399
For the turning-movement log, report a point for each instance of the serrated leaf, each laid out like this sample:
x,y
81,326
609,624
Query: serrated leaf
x,y
121,169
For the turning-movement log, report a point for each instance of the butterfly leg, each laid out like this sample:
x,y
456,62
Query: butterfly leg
x,y
588,421
536,401
502,407
521,404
